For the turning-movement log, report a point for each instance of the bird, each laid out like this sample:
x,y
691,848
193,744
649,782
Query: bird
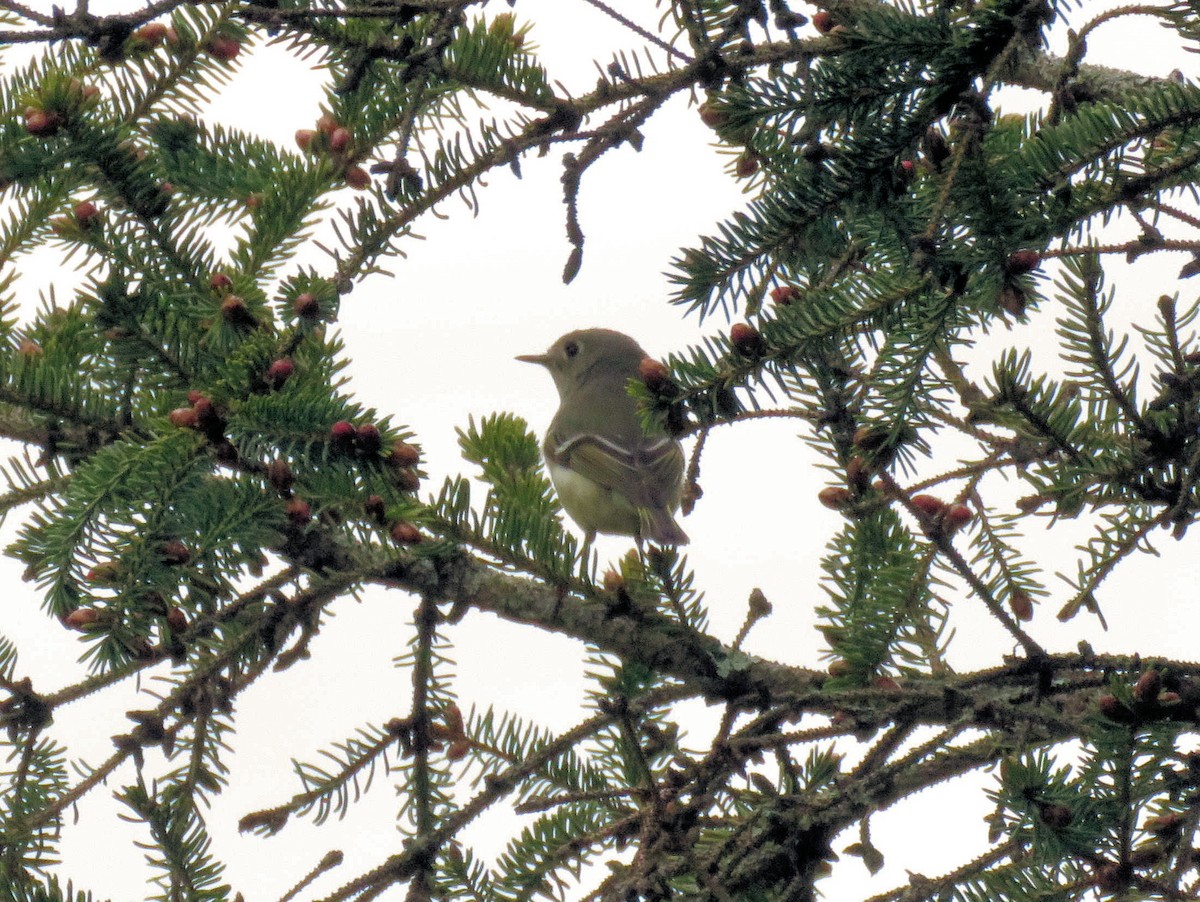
x,y
612,475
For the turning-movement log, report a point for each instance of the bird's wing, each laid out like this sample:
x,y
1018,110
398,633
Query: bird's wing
x,y
648,474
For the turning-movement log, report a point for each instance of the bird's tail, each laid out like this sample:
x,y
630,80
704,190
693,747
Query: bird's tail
x,y
657,525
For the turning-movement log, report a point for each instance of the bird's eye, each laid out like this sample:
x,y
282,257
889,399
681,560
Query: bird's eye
x,y
571,349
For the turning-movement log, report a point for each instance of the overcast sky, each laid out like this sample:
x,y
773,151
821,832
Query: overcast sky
x,y
436,344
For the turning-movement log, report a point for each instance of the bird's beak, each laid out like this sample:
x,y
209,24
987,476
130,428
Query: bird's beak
x,y
540,359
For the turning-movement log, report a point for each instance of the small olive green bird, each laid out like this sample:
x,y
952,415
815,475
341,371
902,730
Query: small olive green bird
x,y
611,476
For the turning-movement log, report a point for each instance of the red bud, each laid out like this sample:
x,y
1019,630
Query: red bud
x,y
957,516
746,340
306,306
339,140
86,214
280,371
368,439
928,505
223,47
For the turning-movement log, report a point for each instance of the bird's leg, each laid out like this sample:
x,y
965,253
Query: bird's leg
x,y
585,554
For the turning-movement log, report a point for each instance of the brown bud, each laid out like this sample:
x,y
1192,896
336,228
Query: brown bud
x,y
83,618
746,165
452,714
784,295
177,620
28,348
207,417
279,474
858,473
367,439
1163,824
106,573
152,33
327,124
42,123
183,417
1023,261
758,603
376,508
407,479
1055,816
235,312
655,375
613,581
223,47
299,511
1111,877
839,667
1021,605
220,282
175,553
406,534
458,750
746,340
1146,855
835,497
1148,686
358,178
886,682
712,115
869,438
823,21
1011,300
305,138
1115,710
403,455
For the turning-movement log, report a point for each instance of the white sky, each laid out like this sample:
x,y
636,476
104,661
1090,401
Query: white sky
x,y
436,344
